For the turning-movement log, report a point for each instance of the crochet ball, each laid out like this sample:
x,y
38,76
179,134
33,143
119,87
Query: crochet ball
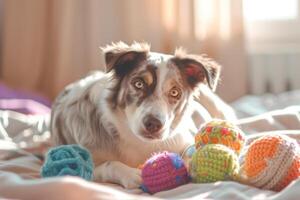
x,y
272,162
72,160
220,132
214,162
164,171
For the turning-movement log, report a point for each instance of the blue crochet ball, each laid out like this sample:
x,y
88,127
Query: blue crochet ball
x,y
73,160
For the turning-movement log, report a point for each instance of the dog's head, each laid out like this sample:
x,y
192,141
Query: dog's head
x,y
153,90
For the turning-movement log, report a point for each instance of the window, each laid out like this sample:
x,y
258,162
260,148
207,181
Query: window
x,y
272,25
260,10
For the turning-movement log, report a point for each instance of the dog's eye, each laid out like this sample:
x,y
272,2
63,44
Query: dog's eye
x,y
175,92
139,84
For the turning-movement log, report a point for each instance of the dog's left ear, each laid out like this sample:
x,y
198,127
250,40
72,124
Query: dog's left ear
x,y
198,69
123,58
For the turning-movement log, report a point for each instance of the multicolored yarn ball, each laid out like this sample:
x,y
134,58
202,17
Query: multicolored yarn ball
x,y
272,162
164,171
73,160
214,162
220,132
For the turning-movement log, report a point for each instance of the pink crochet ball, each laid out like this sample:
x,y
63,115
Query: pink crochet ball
x,y
164,171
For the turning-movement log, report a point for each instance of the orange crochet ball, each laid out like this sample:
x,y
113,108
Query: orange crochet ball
x,y
220,132
272,162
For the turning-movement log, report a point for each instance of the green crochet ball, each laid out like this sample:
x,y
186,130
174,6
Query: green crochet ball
x,y
214,162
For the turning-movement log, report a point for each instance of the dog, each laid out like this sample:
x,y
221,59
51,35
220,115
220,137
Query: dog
x,y
144,103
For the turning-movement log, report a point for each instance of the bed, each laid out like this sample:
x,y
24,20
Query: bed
x,y
23,138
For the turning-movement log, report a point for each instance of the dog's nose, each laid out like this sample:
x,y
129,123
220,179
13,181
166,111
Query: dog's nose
x,y
152,124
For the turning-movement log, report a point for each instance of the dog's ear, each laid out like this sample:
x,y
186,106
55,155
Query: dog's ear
x,y
123,58
198,69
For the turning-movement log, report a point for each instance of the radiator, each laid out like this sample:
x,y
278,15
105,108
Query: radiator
x,y
274,72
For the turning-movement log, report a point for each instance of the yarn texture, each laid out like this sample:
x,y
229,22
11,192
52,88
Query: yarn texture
x,y
164,171
220,132
73,160
272,162
214,162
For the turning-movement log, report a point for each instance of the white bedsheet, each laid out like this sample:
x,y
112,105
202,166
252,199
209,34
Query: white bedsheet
x,y
19,167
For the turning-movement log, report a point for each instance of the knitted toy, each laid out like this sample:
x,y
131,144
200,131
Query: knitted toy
x,y
214,162
218,143
220,132
164,171
271,162
71,160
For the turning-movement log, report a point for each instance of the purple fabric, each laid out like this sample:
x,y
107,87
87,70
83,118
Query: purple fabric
x,y
26,106
23,102
8,93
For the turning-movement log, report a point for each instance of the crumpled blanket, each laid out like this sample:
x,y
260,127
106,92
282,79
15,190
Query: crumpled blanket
x,y
24,138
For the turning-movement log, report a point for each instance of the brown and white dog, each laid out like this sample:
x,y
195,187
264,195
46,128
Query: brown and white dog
x,y
146,102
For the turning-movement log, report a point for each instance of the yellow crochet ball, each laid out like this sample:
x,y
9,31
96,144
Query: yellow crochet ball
x,y
214,162
220,132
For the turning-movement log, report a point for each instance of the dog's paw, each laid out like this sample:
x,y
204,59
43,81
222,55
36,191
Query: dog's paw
x,y
132,178
117,172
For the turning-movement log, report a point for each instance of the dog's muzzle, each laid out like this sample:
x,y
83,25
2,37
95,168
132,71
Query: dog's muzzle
x,y
153,127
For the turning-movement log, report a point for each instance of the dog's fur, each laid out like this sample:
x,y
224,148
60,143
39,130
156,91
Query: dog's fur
x,y
141,105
